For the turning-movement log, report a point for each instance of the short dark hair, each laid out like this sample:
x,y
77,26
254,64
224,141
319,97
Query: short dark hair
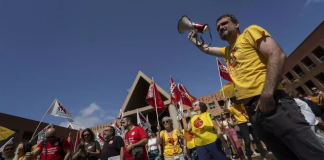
x,y
112,129
231,17
131,119
203,107
91,133
27,147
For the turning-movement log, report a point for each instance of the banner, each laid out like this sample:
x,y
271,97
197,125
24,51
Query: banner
x,y
57,109
186,97
118,131
121,114
100,139
70,142
41,135
174,92
223,71
180,111
141,121
154,99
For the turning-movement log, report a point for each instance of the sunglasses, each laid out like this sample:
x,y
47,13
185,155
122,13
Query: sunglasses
x,y
165,122
9,149
50,137
86,135
314,90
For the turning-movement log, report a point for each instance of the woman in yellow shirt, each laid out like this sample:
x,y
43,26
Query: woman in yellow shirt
x,y
170,139
209,145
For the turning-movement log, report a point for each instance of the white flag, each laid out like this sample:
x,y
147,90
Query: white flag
x,y
100,139
121,114
118,131
57,109
141,121
180,111
41,134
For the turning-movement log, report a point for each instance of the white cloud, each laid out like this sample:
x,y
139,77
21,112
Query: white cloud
x,y
92,115
311,1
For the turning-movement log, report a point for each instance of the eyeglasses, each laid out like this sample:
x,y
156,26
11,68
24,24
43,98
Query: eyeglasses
x,y
86,135
50,137
9,149
165,122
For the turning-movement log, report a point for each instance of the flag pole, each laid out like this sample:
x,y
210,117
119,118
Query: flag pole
x,y
39,132
44,117
157,115
220,79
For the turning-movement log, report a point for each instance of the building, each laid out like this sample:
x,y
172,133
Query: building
x,y
304,67
25,128
135,99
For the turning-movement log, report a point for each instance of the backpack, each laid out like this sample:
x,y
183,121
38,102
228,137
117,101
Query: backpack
x,y
44,143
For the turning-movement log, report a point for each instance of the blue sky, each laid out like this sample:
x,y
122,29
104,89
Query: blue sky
x,y
87,53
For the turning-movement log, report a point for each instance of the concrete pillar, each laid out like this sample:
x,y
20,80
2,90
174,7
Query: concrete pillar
x,y
173,114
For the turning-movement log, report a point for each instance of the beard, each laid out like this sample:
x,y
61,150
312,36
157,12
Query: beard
x,y
105,136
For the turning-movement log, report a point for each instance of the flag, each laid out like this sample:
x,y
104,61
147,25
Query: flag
x,y
174,92
121,114
141,121
70,142
41,134
180,111
153,98
77,139
186,97
223,71
147,118
100,139
57,109
118,131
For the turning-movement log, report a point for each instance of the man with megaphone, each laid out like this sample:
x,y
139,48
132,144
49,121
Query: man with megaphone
x,y
255,63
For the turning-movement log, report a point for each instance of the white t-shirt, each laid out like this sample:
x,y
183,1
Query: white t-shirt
x,y
307,112
152,144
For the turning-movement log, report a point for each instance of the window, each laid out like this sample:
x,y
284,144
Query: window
x,y
27,136
308,63
221,104
299,71
100,127
192,112
211,105
185,112
310,84
212,96
319,53
290,77
300,90
97,128
320,78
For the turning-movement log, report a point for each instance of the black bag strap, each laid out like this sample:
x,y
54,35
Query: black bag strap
x,y
61,141
45,150
127,137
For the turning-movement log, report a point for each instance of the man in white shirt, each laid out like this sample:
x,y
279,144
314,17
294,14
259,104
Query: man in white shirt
x,y
310,117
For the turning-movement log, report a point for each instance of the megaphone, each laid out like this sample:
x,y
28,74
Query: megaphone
x,y
185,24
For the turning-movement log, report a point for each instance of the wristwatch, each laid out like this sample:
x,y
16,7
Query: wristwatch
x,y
184,146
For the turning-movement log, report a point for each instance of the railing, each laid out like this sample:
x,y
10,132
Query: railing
x,y
312,66
301,74
322,58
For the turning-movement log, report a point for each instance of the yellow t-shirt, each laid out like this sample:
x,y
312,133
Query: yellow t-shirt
x,y
246,64
190,138
203,128
239,114
169,149
318,100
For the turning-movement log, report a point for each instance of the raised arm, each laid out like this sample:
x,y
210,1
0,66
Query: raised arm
x,y
214,51
186,127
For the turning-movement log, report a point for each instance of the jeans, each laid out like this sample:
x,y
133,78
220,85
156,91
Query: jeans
x,y
284,129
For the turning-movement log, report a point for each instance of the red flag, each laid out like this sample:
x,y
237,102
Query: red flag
x,y
77,139
153,98
223,71
174,92
121,114
70,142
187,98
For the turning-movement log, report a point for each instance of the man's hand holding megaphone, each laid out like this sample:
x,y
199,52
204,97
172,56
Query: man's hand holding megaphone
x,y
193,38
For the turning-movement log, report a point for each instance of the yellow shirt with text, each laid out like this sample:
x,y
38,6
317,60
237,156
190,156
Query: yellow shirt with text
x,y
203,128
246,64
239,114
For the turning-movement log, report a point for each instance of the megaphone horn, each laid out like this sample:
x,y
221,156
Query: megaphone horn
x,y
185,24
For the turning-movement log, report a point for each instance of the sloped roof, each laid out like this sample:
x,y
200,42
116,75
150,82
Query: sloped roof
x,y
137,93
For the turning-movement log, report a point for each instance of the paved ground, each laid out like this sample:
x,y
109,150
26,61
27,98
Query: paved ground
x,y
269,156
